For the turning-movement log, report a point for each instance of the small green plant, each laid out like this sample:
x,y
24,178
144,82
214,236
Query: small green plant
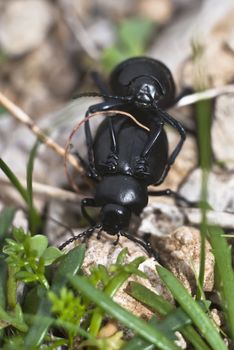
x,y
28,256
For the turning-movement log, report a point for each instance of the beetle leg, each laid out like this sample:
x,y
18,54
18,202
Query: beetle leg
x,y
175,195
112,160
146,245
91,174
141,166
117,240
176,125
88,202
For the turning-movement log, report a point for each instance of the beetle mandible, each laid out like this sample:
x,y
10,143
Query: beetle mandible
x,y
123,158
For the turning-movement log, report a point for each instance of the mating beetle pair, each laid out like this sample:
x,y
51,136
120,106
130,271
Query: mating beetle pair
x,y
124,158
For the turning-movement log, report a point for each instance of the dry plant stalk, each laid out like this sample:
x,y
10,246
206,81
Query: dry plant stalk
x,y
51,192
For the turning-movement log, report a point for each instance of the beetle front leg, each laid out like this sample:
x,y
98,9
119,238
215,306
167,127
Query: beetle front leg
x,y
176,125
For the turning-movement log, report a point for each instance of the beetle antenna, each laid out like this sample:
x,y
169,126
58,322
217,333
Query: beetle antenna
x,y
85,235
145,244
106,96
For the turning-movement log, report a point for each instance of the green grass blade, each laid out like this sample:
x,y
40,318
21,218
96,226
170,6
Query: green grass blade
x,y
3,282
223,265
69,265
6,218
106,303
203,117
111,289
13,179
34,217
191,307
20,188
162,307
155,302
137,343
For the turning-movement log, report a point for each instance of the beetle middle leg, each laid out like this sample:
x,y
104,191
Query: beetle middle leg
x,y
141,166
111,162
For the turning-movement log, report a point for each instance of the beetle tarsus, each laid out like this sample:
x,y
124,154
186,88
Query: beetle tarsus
x,y
141,168
111,164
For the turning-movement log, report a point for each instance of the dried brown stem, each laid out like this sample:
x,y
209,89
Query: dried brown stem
x,y
47,191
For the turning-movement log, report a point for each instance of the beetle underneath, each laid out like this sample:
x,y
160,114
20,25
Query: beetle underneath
x,y
123,158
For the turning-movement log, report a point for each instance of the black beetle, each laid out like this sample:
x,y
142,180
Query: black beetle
x,y
124,158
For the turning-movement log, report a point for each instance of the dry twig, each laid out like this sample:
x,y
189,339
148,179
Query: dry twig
x,y
47,191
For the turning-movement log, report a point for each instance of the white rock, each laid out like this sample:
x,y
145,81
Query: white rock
x,y
223,130
220,190
105,253
160,219
180,252
24,25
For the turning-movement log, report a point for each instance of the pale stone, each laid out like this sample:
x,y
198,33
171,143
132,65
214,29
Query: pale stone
x,y
24,25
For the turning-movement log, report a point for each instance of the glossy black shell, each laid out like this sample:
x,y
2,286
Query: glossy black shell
x,y
131,142
127,71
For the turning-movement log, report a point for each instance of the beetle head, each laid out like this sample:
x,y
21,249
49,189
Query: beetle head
x,y
114,218
146,89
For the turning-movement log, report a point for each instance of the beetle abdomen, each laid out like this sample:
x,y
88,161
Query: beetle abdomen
x,y
131,142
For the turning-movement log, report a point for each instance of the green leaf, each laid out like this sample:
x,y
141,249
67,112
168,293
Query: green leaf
x,y
145,330
14,318
121,257
153,301
162,307
14,180
26,276
134,34
6,217
34,217
51,254
193,309
70,264
40,325
39,243
223,265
